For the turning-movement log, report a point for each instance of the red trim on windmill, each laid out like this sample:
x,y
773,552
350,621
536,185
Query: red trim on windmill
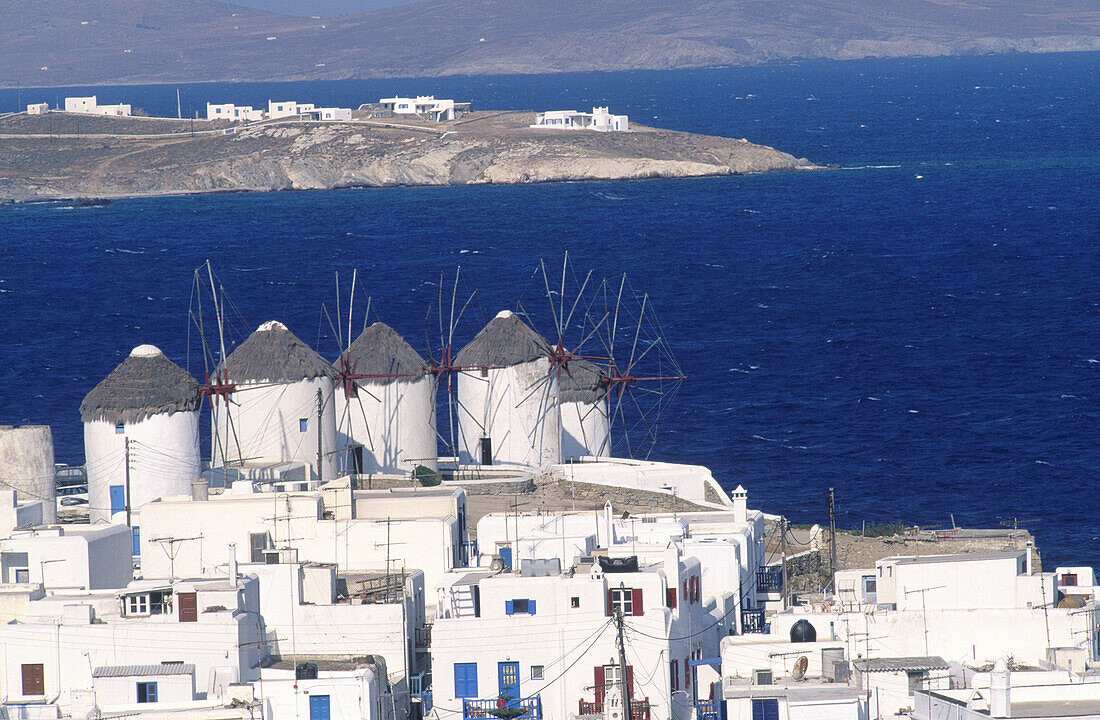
x,y
347,376
221,387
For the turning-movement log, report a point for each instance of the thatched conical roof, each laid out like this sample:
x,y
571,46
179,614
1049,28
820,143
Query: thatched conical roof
x,y
504,342
583,382
274,354
144,384
379,350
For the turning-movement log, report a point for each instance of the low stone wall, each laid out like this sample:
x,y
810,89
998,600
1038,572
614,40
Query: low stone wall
x,y
518,486
593,495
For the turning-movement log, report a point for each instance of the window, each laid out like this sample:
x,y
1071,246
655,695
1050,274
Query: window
x,y
135,538
146,692
137,605
536,672
465,680
765,709
670,598
257,543
674,670
150,603
22,575
574,602
870,585
120,428
303,424
519,607
1069,579
628,601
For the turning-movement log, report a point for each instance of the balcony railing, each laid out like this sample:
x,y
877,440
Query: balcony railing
x,y
769,579
493,709
708,710
752,620
639,709
424,636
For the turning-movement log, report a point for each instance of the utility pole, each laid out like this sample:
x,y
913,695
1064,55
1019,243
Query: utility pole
x,y
128,482
320,451
622,657
783,559
832,539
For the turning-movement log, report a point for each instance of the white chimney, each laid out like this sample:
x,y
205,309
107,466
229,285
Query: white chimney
x,y
1000,683
1030,547
233,564
741,504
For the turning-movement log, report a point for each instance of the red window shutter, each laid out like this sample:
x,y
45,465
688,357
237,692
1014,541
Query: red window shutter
x,y
630,681
636,602
685,589
610,605
687,672
599,686
670,598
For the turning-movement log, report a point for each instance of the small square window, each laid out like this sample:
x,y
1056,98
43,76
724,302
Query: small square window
x,y
120,428
146,692
574,602
303,424
536,672
22,575
519,606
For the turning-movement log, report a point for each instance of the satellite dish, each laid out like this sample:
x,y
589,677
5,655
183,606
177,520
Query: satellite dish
x,y
800,666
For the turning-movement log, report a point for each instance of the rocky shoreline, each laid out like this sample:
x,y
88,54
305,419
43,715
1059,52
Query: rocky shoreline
x,y
63,156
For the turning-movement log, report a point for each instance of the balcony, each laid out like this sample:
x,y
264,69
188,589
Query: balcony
x,y
423,637
522,709
708,710
752,620
639,709
769,579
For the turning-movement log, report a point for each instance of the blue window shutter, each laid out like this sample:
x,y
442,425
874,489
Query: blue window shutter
x,y
530,607
137,542
509,608
465,680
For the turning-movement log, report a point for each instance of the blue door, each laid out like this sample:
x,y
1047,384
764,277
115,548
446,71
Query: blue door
x,y
318,707
118,498
506,557
765,709
509,683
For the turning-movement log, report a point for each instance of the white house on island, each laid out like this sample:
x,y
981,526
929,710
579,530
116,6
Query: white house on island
x,y
426,106
90,106
233,113
599,119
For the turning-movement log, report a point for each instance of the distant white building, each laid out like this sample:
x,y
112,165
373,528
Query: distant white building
x,y
599,119
90,106
307,111
38,108
426,106
233,113
68,557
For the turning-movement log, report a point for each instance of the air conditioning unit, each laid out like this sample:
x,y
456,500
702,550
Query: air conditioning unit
x,y
282,556
762,677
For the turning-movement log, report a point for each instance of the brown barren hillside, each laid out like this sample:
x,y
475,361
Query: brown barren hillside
x,y
62,42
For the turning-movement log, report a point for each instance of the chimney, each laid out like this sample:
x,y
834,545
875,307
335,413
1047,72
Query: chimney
x,y
1030,551
1000,683
200,490
741,504
233,564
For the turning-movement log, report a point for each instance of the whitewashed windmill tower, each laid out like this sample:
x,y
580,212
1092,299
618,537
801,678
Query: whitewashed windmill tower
x,y
385,405
281,407
141,435
508,408
585,420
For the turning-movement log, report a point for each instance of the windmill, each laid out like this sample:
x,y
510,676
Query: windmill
x,y
614,366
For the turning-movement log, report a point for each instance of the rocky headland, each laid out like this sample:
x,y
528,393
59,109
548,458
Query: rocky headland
x,y
61,155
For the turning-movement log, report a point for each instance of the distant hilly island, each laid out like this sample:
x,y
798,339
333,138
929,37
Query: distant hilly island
x,y
78,42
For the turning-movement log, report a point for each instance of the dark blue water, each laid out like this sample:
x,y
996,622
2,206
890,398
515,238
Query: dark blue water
x,y
918,330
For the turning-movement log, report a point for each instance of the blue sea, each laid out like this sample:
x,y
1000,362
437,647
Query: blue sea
x,y
917,327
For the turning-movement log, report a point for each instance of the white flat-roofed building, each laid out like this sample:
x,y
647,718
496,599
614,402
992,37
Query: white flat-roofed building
x,y
51,653
68,557
419,528
599,119
545,640
38,108
426,106
361,693
287,108
136,688
971,608
1001,693
233,113
90,106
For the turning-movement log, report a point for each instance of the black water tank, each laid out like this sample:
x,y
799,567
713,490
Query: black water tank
x,y
305,671
803,631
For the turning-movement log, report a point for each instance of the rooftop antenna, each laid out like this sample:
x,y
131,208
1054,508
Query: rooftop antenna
x,y
170,546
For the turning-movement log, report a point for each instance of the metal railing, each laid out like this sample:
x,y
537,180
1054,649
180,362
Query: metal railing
x,y
639,709
708,710
752,620
424,636
769,579
529,708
